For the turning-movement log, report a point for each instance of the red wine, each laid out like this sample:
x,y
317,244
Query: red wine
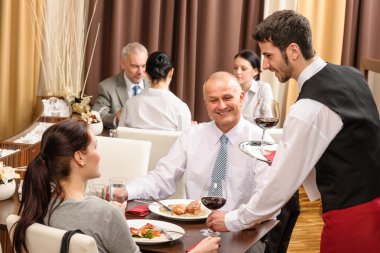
x,y
266,122
213,203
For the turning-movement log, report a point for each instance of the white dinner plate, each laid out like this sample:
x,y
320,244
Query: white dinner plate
x,y
175,231
156,209
252,148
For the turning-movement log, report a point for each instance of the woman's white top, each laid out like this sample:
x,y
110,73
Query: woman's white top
x,y
156,109
257,90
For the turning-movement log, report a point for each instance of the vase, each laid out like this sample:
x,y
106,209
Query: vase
x,y
7,190
96,128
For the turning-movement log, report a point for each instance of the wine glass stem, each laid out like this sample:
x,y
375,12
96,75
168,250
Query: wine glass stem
x,y
262,139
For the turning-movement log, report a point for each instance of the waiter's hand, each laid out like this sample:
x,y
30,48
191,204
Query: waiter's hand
x,y
215,221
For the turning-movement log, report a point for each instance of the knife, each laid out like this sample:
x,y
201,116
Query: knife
x,y
159,202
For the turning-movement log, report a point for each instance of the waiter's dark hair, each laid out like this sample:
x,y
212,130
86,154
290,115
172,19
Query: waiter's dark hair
x,y
285,27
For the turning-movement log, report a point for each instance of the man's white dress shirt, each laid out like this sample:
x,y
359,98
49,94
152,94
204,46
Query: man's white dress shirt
x,y
193,156
308,130
156,109
130,86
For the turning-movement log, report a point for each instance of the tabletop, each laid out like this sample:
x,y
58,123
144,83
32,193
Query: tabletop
x,y
239,241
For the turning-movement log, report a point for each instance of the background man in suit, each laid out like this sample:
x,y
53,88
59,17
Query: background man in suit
x,y
115,90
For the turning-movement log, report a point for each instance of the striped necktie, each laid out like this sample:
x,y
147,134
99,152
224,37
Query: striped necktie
x,y
136,90
220,167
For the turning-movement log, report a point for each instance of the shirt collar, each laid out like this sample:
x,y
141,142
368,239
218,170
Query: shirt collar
x,y
233,135
130,85
310,71
254,86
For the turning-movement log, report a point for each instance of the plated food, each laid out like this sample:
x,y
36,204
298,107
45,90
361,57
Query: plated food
x,y
146,231
183,209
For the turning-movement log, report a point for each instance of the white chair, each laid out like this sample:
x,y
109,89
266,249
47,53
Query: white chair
x,y
161,141
41,238
275,133
121,158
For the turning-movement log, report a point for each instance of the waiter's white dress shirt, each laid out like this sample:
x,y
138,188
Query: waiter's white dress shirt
x,y
257,90
156,109
308,130
193,156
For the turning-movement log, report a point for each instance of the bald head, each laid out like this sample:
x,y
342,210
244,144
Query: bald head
x,y
223,97
224,77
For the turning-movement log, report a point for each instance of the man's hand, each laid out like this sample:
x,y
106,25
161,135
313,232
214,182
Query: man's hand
x,y
119,194
122,206
118,115
215,221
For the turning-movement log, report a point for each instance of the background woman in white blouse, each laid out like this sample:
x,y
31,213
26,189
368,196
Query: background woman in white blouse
x,y
157,107
247,71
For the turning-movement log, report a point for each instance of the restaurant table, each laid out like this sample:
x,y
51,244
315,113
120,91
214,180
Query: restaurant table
x,y
235,242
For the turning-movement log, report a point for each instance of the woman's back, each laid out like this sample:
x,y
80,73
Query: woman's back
x,y
98,219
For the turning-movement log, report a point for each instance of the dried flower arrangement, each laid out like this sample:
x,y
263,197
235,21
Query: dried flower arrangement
x,y
61,28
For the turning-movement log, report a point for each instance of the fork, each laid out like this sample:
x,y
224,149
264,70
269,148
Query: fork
x,y
164,230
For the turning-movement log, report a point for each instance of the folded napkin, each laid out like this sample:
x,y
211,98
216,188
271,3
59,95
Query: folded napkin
x,y
192,247
269,155
139,211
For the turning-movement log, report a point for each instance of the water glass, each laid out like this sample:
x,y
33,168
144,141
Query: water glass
x,y
117,189
112,133
98,190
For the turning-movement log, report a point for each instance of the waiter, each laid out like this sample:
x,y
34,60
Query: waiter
x,y
331,138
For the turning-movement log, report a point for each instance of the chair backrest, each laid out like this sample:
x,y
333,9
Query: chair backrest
x,y
275,133
161,140
41,238
368,64
122,158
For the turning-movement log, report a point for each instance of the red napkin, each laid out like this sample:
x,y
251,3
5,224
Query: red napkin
x,y
192,247
139,211
269,155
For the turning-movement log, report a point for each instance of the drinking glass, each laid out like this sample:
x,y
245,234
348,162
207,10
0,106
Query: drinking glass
x,y
98,190
214,196
112,133
115,184
266,115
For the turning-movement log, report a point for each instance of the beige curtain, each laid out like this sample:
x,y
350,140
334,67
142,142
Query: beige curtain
x,y
280,90
19,66
327,24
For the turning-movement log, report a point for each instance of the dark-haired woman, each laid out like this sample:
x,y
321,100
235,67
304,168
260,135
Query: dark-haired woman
x,y
247,71
157,107
53,192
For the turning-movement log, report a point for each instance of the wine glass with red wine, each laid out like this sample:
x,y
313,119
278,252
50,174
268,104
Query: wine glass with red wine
x,y
266,115
214,196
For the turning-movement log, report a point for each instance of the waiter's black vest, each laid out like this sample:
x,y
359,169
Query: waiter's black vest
x,y
348,173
